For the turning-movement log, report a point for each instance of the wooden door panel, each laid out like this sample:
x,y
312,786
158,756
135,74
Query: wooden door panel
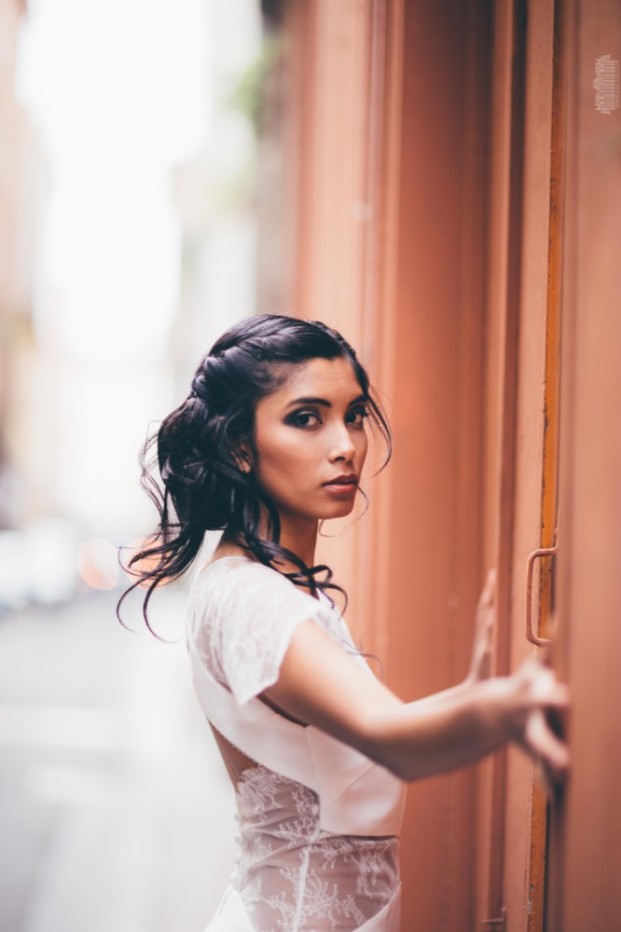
x,y
524,315
585,859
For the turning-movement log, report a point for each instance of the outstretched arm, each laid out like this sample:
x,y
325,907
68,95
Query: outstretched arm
x,y
321,685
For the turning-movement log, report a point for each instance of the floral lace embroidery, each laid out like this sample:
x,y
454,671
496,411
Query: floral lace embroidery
x,y
241,618
291,875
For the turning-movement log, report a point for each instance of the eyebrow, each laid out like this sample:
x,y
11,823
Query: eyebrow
x,y
308,400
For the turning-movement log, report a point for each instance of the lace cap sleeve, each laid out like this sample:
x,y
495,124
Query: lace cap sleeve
x,y
241,620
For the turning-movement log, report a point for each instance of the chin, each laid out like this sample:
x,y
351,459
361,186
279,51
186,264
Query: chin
x,y
340,510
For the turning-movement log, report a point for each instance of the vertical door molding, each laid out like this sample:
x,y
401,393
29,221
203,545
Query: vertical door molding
x,y
537,436
504,263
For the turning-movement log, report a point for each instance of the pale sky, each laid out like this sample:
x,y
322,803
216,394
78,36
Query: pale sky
x,y
121,93
118,91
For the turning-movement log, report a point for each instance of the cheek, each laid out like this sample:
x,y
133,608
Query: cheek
x,y
283,455
362,446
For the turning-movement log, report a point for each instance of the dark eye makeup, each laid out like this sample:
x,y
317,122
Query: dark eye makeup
x,y
304,418
309,417
357,414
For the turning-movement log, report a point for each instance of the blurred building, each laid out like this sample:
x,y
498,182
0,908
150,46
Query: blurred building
x,y
119,262
18,192
452,182
215,193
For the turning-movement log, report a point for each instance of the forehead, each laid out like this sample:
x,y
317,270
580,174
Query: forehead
x,y
330,379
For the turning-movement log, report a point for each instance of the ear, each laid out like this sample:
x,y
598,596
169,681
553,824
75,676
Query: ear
x,y
242,459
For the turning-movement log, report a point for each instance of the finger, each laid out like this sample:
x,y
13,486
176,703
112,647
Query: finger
x,y
545,745
488,596
548,692
482,651
485,616
542,684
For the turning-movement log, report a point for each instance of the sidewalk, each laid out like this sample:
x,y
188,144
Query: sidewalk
x,y
116,813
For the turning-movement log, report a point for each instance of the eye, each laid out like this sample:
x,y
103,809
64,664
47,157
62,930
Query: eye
x,y
356,416
304,419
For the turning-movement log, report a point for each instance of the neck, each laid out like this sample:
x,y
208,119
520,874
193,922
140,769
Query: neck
x,y
296,535
300,537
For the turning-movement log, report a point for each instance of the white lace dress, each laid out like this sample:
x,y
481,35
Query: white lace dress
x,y
318,822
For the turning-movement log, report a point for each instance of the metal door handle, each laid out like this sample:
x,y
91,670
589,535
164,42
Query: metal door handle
x,y
530,634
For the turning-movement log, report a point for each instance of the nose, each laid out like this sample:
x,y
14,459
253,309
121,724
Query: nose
x,y
342,448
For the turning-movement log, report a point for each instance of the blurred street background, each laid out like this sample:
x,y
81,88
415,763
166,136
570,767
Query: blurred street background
x,y
116,813
128,194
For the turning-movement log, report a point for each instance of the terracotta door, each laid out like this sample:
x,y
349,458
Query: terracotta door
x,y
521,449
585,844
469,353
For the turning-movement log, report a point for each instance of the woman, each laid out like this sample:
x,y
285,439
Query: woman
x,y
270,442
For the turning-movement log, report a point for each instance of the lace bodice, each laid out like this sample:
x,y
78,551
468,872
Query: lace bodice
x,y
242,618
292,873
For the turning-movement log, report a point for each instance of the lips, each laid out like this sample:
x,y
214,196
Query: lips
x,y
344,481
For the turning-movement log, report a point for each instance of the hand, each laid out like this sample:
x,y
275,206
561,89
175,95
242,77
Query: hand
x,y
481,663
541,705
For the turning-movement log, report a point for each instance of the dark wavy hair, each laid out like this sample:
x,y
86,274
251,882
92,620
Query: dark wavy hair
x,y
199,445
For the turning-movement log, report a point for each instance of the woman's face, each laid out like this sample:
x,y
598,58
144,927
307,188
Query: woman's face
x,y
311,442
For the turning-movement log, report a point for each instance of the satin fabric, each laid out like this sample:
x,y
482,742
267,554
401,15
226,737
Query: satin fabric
x,y
356,796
